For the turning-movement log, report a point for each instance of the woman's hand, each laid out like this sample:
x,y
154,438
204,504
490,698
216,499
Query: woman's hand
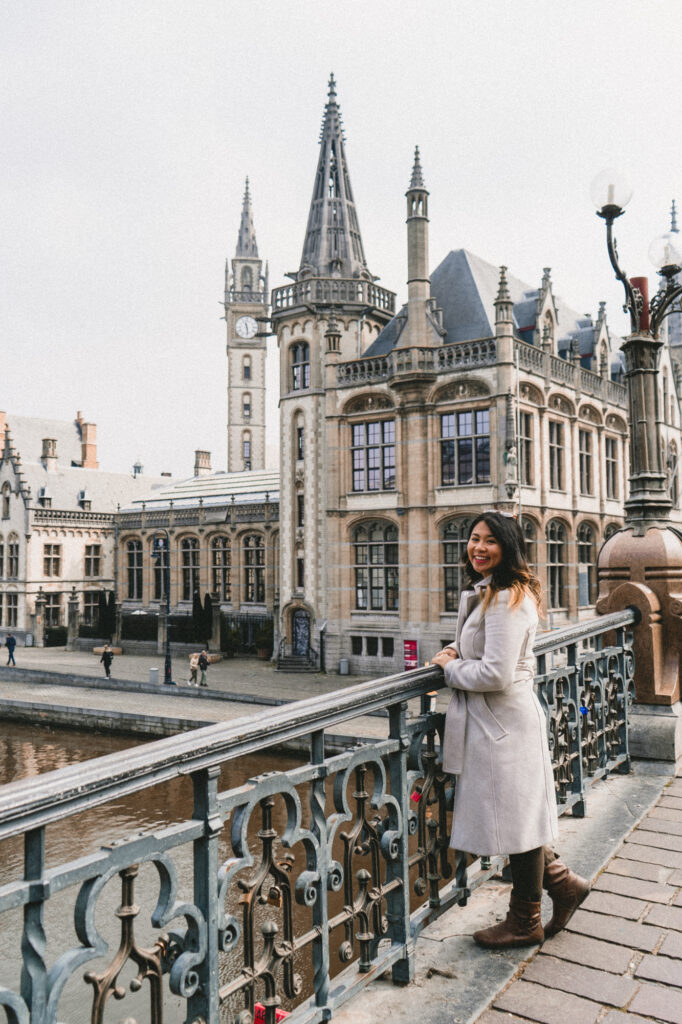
x,y
444,657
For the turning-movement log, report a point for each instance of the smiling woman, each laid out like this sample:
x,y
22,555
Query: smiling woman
x,y
495,739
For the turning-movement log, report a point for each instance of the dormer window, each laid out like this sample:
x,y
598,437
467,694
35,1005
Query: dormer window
x,y
44,498
6,492
84,501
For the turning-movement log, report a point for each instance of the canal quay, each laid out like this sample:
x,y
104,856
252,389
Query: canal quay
x,y
68,689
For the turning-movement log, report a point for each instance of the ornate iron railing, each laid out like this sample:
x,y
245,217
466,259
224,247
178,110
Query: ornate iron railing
x,y
332,866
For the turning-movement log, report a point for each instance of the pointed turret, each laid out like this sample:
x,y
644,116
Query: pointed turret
x,y
503,306
673,218
333,246
246,240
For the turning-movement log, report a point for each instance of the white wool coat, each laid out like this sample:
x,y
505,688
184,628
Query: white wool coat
x,y
495,738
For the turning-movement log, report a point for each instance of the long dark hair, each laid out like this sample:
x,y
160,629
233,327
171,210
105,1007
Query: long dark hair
x,y
513,573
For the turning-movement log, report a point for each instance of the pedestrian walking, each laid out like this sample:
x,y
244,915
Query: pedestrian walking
x,y
193,667
10,644
495,738
106,660
203,666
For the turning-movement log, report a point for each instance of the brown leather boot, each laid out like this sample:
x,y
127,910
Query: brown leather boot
x,y
521,927
566,891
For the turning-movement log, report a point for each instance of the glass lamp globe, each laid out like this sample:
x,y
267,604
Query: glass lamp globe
x,y
610,190
666,251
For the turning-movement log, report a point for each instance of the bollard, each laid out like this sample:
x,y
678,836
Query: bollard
x,y
153,675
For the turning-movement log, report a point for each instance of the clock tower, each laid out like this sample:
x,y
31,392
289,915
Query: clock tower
x,y
246,307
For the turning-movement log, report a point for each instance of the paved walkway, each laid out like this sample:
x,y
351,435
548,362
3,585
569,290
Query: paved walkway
x,y
618,962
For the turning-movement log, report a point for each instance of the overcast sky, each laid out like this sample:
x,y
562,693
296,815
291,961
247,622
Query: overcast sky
x,y
128,127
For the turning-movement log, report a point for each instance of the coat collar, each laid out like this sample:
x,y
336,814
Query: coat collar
x,y
482,583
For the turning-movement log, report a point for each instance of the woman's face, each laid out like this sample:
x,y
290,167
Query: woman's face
x,y
484,551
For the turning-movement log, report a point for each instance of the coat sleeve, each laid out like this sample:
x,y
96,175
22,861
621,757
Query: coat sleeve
x,y
505,636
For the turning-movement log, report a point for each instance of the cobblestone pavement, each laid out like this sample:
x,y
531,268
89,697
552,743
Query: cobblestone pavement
x,y
620,959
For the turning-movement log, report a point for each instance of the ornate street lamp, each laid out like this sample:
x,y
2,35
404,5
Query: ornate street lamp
x,y
640,565
648,502
161,555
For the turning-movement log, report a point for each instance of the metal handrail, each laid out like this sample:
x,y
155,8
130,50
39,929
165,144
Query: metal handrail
x,y
30,803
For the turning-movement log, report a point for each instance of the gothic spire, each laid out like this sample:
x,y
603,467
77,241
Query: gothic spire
x,y
246,240
333,246
673,218
417,181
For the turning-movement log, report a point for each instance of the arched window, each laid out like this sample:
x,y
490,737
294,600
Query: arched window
x,y
610,530
134,562
221,582
454,540
530,535
300,366
587,565
254,569
189,555
246,449
246,406
246,368
2,557
557,595
6,492
247,279
13,557
376,567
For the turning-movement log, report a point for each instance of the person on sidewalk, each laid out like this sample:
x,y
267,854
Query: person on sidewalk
x,y
203,666
193,667
10,644
106,660
495,740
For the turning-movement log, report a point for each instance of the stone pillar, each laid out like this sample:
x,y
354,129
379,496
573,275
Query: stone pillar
x,y
118,624
73,618
215,624
162,628
39,620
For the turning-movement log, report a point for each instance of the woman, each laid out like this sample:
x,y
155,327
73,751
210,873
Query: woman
x,y
496,736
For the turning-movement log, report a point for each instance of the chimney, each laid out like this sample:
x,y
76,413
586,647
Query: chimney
x,y
202,463
88,432
49,454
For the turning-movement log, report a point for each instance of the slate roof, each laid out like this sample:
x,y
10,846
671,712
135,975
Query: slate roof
x,y
464,286
65,484
214,489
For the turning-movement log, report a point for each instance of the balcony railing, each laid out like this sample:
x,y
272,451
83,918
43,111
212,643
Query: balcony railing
x,y
562,371
337,863
330,291
464,355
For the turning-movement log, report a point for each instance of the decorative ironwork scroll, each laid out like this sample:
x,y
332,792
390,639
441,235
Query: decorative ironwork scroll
x,y
301,884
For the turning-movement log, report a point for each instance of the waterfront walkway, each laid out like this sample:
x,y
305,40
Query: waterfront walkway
x,y
620,960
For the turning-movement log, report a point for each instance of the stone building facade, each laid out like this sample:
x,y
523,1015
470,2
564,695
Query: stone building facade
x,y
57,523
396,428
224,541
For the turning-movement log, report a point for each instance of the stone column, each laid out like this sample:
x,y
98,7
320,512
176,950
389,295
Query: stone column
x,y
215,624
73,618
162,628
39,620
118,625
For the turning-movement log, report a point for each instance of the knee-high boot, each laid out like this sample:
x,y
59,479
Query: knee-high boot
x,y
566,891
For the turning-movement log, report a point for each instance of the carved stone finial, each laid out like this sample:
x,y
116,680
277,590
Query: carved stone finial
x,y
417,180
503,289
673,217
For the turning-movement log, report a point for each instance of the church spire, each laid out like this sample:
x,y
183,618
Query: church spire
x,y
333,246
246,240
673,218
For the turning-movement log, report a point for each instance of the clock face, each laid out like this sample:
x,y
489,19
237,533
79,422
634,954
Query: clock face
x,y
246,327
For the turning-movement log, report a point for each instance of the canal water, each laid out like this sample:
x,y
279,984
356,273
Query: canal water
x,y
26,751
